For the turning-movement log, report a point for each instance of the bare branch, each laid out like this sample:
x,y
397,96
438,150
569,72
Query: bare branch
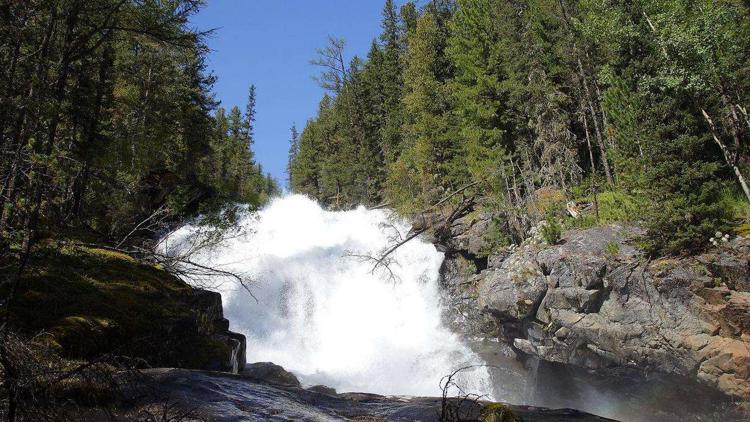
x,y
331,59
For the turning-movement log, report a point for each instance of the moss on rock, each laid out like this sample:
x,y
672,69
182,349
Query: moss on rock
x,y
498,412
94,301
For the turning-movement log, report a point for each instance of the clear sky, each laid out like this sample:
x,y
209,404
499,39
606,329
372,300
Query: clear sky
x,y
269,43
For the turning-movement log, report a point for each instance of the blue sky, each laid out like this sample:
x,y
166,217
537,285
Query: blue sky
x,y
269,43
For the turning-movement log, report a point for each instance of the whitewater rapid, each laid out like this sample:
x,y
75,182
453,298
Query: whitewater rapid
x,y
321,311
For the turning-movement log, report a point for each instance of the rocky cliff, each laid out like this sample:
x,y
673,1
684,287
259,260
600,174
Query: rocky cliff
x,y
595,301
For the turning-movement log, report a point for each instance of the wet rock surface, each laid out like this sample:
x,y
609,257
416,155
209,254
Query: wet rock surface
x,y
209,319
226,397
596,302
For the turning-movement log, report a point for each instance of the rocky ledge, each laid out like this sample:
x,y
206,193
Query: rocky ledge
x,y
209,321
267,392
595,301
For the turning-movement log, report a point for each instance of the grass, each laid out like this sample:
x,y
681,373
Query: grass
x,y
734,200
614,207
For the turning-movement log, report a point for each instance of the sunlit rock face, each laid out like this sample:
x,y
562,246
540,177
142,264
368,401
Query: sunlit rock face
x,y
321,311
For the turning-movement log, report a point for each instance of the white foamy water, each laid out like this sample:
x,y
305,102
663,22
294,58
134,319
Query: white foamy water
x,y
323,314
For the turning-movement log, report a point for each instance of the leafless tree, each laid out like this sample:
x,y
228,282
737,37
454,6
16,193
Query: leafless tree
x,y
331,59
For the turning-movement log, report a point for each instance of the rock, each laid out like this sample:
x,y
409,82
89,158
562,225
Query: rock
x,y
458,280
221,325
576,304
730,267
562,333
233,359
323,389
270,373
524,346
230,347
226,397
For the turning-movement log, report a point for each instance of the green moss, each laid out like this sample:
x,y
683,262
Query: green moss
x,y
699,268
205,352
498,412
94,301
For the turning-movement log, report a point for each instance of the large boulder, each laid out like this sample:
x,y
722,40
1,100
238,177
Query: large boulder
x,y
270,373
94,302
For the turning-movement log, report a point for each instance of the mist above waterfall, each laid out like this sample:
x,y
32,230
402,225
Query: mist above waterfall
x,y
322,312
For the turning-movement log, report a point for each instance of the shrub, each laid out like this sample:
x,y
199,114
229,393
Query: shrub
x,y
551,231
495,237
498,412
686,208
544,202
619,206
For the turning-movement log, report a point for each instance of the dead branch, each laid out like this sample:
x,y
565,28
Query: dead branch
x,y
159,212
451,408
382,260
451,195
380,206
180,266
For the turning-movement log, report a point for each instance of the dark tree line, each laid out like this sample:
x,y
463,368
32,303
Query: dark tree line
x,y
106,115
640,104
108,133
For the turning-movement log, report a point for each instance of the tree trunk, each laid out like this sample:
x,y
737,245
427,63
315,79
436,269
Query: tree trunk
x,y
597,131
588,142
743,110
38,184
730,158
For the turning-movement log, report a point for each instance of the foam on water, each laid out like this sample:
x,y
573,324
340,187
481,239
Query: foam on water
x,y
323,314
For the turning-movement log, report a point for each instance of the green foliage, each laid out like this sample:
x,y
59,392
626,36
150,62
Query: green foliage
x,y
546,202
498,412
233,174
495,238
734,201
614,206
619,206
522,99
107,121
551,231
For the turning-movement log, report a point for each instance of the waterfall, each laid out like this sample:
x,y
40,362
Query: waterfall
x,y
321,311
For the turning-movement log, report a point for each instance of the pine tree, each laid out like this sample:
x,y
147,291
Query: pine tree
x,y
391,80
293,152
430,158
